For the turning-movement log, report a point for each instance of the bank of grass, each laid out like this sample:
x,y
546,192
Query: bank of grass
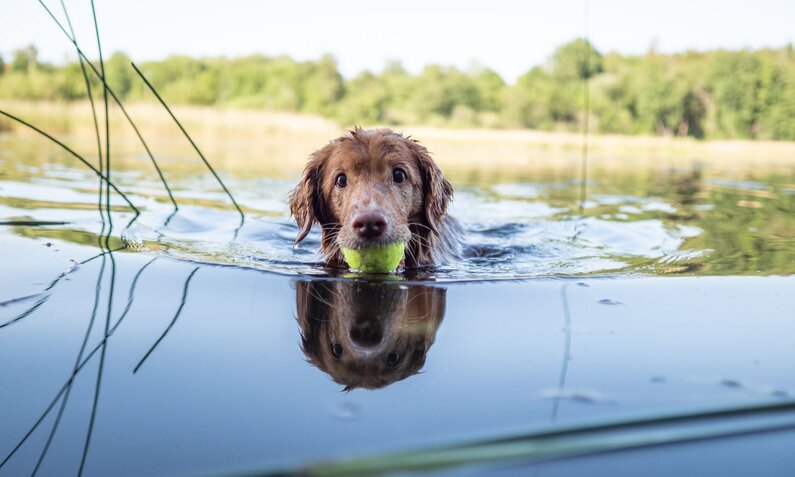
x,y
246,140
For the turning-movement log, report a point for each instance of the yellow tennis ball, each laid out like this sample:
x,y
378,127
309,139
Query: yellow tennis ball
x,y
375,259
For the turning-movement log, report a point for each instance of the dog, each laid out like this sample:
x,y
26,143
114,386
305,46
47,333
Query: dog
x,y
375,187
367,334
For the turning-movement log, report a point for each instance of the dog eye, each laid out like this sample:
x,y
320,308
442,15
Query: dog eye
x,y
392,359
398,175
336,350
342,181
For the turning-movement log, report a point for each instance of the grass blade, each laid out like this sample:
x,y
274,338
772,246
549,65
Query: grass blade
x,y
118,103
76,156
198,151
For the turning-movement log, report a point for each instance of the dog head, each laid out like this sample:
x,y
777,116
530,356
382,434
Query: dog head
x,y
370,187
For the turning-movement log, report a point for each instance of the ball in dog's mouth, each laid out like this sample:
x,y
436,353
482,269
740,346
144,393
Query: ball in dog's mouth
x,y
375,258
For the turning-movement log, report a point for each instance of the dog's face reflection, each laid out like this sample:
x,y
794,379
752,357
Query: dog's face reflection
x,y
368,334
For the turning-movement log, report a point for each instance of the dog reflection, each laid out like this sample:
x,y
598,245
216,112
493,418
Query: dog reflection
x,y
368,334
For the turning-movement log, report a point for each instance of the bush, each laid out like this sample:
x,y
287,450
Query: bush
x,y
719,94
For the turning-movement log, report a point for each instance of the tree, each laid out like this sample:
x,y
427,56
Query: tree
x,y
576,60
242,80
25,60
734,94
526,104
283,89
120,76
323,85
489,85
368,105
68,84
736,79
439,89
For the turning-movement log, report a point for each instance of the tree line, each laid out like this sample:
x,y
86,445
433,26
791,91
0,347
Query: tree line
x,y
712,94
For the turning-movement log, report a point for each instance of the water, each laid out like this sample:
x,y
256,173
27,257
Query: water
x,y
202,347
525,225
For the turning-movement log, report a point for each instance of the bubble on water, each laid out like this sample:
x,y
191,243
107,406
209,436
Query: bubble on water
x,y
73,266
731,383
585,396
758,389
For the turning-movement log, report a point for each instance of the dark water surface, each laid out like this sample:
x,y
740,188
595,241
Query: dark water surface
x,y
200,349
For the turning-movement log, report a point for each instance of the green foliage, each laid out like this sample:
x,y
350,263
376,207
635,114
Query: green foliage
x,y
528,103
368,105
576,60
719,94
119,73
69,84
25,60
322,86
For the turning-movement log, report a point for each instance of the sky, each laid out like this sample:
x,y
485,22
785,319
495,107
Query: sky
x,y
507,36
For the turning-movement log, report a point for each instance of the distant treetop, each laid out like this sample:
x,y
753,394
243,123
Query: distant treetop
x,y
712,94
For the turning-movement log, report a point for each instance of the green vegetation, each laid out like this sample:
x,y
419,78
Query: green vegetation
x,y
717,94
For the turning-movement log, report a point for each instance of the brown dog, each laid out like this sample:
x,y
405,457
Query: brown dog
x,y
373,187
368,334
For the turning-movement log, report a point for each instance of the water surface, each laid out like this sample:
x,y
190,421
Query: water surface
x,y
198,346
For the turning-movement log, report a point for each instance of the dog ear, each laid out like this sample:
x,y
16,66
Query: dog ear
x,y
437,191
306,200
310,298
426,304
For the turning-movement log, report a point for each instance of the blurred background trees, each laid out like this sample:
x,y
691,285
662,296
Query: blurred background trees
x,y
712,95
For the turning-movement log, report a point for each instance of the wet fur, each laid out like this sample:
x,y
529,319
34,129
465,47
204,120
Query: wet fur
x,y
419,218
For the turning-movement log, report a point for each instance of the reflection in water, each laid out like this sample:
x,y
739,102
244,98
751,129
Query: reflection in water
x,y
362,333
173,320
368,334
84,358
44,295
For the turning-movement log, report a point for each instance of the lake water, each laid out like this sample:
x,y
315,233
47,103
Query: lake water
x,y
196,345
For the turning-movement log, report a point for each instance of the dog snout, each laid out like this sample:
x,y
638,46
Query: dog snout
x,y
367,333
369,225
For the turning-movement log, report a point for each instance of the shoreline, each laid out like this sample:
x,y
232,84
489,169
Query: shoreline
x,y
237,134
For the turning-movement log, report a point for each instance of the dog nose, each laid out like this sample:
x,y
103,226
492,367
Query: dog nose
x,y
369,225
367,333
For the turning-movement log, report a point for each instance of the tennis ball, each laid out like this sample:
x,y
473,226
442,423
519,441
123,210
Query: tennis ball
x,y
375,259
